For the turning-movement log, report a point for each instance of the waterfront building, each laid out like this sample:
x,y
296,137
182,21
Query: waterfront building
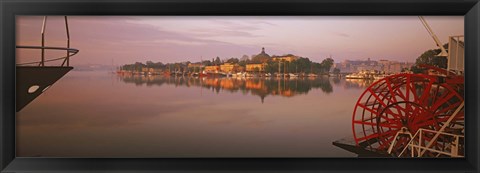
x,y
399,66
260,67
196,65
227,67
239,68
287,58
151,70
212,68
385,66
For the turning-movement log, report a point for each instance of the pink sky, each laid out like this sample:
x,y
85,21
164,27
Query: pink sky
x,y
122,39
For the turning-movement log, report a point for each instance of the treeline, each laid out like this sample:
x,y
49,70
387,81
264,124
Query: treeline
x,y
138,66
300,65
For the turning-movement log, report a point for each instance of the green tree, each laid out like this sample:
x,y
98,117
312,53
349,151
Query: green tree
x,y
244,58
304,65
256,69
217,61
138,66
430,57
207,63
272,67
150,64
327,64
336,71
233,60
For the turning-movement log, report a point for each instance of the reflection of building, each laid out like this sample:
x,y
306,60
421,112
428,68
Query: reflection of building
x,y
212,68
227,67
357,83
256,67
227,84
288,58
251,84
258,87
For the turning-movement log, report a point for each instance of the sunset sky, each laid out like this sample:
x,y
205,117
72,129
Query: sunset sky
x,y
121,39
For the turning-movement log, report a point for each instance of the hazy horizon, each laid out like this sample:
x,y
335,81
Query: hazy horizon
x,y
122,40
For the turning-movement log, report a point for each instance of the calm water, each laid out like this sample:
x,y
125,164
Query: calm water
x,y
97,114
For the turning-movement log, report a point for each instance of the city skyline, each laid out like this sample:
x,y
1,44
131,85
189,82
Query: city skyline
x,y
103,39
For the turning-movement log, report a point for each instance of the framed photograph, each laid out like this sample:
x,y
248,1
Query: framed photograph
x,y
185,86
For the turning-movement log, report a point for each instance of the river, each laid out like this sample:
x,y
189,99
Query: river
x,y
99,114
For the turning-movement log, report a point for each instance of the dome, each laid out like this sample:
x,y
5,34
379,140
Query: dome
x,y
262,57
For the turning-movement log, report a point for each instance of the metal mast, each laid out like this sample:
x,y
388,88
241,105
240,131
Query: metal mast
x,y
435,38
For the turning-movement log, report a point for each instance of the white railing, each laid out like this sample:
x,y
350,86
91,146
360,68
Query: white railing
x,y
451,145
446,143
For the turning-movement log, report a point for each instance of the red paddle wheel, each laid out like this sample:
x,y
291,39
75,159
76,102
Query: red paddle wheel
x,y
404,103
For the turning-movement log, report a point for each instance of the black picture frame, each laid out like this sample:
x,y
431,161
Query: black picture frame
x,y
10,8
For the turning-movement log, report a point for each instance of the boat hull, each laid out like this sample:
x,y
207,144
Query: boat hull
x,y
31,82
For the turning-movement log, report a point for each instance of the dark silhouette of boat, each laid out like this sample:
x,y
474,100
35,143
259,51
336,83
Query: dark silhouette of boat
x,y
34,78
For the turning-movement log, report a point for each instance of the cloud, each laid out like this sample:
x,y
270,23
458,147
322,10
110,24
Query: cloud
x,y
221,33
263,22
342,34
181,42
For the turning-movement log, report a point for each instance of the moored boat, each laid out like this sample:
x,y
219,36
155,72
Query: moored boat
x,y
292,75
355,76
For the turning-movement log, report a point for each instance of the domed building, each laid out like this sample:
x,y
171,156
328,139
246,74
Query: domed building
x,y
258,62
262,57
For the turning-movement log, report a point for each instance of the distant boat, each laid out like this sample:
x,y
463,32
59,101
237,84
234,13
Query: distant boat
x,y
312,75
360,75
222,74
355,76
292,75
239,74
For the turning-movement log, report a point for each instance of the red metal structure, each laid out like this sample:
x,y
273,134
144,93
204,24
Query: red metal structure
x,y
404,103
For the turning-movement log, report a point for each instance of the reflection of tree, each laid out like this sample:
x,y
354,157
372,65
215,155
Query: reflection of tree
x,y
261,87
336,80
140,80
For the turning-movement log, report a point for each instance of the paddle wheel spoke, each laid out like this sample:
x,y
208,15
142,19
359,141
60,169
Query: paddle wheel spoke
x,y
448,108
426,92
442,100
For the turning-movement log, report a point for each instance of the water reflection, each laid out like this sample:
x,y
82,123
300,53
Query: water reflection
x,y
160,116
262,87
356,83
